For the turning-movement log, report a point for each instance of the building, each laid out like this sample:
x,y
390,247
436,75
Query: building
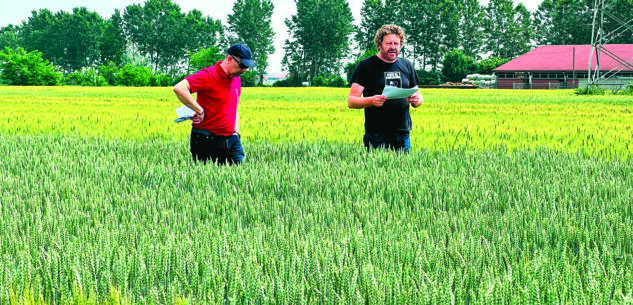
x,y
553,67
270,79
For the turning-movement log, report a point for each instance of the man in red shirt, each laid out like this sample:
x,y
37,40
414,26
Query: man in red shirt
x,y
214,132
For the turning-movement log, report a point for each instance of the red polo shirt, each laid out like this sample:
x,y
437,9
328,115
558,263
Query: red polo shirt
x,y
218,94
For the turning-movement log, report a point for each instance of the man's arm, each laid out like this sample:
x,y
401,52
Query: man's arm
x,y
183,92
356,101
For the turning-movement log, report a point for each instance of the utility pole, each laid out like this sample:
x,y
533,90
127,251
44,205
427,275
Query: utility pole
x,y
598,41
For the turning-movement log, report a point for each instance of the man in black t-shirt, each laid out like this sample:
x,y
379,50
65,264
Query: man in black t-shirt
x,y
387,122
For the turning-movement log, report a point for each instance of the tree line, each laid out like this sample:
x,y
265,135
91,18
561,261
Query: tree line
x,y
155,43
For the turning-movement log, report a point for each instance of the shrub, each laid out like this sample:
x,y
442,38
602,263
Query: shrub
x,y
589,90
457,65
288,82
161,80
487,65
334,80
133,76
249,79
428,77
85,77
318,81
108,72
331,80
628,90
19,68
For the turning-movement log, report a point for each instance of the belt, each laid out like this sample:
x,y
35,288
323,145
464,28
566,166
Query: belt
x,y
209,134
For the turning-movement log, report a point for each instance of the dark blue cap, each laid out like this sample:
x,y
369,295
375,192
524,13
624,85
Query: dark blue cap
x,y
243,52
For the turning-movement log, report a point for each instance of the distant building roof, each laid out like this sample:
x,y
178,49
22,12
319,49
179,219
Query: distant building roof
x,y
560,58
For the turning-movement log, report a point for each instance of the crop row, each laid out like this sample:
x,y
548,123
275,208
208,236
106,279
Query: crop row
x,y
473,120
84,219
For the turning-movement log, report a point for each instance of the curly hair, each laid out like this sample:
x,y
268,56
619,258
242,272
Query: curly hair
x,y
386,30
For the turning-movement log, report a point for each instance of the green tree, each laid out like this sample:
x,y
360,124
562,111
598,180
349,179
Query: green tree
x,y
19,68
450,14
9,37
39,33
522,34
68,40
618,24
204,58
250,23
133,76
109,72
570,21
202,32
416,42
487,65
456,65
113,43
506,28
373,15
471,29
83,34
564,22
430,36
155,30
319,40
159,31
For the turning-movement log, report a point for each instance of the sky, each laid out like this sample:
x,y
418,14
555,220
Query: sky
x,y
19,11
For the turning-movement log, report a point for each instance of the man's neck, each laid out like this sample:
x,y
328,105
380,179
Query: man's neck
x,y
224,67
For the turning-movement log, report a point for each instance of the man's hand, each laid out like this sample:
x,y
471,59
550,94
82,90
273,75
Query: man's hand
x,y
377,100
198,118
416,99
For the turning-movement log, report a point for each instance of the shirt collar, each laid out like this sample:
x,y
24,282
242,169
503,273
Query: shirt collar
x,y
221,72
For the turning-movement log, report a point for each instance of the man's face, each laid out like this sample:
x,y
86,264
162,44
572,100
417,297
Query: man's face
x,y
390,47
236,67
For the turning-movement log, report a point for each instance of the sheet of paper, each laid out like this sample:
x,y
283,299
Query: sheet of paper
x,y
394,92
184,113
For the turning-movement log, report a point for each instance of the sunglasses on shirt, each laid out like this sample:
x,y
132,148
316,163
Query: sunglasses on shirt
x,y
242,66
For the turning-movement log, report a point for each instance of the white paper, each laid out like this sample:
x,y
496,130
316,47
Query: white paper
x,y
184,113
392,92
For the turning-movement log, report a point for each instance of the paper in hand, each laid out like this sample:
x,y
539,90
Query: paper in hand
x,y
394,92
184,113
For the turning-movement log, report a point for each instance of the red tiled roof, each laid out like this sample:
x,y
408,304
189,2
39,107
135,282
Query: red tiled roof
x,y
560,58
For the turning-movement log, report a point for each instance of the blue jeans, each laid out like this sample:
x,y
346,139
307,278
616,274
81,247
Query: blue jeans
x,y
220,149
388,140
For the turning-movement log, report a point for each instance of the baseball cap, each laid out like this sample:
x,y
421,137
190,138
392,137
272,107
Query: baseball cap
x,y
243,52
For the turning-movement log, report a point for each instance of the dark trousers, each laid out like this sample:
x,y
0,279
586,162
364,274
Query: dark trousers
x,y
399,141
206,145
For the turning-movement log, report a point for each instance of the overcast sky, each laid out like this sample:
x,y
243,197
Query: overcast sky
x,y
20,10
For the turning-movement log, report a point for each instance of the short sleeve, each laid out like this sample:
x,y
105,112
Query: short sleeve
x,y
357,75
415,80
414,76
199,81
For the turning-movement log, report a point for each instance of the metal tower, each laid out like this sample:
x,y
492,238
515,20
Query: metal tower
x,y
599,38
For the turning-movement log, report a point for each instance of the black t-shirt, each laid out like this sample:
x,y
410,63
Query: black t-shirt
x,y
373,73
